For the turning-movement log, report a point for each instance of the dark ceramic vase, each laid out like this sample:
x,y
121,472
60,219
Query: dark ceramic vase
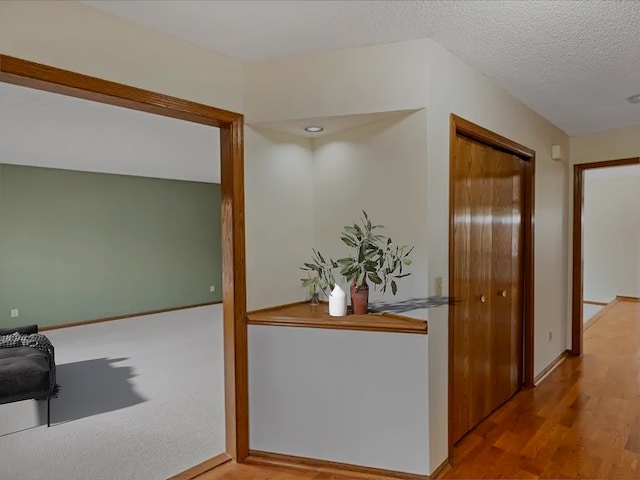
x,y
360,298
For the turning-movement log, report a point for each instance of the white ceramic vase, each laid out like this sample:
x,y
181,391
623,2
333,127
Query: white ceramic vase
x,y
337,302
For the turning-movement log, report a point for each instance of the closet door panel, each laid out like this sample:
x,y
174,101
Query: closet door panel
x,y
517,272
480,331
461,310
486,316
502,277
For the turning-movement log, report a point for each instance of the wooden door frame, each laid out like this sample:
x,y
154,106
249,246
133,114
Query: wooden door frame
x,y
42,77
577,270
460,126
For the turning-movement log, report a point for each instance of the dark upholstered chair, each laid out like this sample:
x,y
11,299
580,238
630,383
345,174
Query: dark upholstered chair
x,y
24,372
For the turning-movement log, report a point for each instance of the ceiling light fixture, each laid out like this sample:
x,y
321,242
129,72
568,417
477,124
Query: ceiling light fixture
x,y
313,129
634,98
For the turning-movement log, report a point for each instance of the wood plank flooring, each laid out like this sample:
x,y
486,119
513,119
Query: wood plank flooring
x,y
234,471
582,421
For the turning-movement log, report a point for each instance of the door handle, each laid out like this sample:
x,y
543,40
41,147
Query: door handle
x,y
502,293
482,298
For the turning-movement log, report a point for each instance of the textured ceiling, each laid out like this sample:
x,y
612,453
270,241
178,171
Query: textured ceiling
x,y
45,129
574,62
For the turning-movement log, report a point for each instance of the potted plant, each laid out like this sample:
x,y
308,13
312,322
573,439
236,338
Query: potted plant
x,y
375,258
319,276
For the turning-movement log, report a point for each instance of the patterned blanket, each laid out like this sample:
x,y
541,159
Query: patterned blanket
x,y
39,342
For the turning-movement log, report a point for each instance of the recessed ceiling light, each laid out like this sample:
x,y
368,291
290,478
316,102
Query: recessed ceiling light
x,y
634,98
313,129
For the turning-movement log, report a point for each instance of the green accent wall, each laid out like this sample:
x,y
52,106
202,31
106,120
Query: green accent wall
x,y
78,246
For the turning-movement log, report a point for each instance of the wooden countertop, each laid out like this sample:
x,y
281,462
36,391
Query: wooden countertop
x,y
303,314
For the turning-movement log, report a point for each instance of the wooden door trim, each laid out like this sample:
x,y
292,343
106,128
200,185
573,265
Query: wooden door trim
x,y
460,126
335,469
577,273
51,79
481,134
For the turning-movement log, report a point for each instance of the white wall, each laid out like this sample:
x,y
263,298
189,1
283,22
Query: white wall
x,y
379,168
77,134
76,37
455,87
351,397
597,147
611,233
340,82
390,77
279,216
608,145
413,75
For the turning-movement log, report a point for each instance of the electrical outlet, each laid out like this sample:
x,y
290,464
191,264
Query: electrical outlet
x,y
438,286
14,313
550,335
212,288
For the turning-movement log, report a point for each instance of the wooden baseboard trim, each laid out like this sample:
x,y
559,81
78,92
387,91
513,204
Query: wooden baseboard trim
x,y
547,370
334,468
590,302
624,298
609,306
203,467
600,314
121,317
441,470
591,321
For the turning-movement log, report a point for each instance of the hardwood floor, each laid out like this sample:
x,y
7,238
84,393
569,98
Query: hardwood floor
x,y
234,471
582,421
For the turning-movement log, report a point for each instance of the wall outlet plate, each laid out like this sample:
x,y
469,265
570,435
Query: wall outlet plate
x,y
14,313
212,288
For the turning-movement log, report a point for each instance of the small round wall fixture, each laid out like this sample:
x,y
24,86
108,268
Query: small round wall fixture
x,y
313,129
634,98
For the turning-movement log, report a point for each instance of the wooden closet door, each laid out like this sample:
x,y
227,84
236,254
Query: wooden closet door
x,y
463,173
506,284
471,259
487,267
481,346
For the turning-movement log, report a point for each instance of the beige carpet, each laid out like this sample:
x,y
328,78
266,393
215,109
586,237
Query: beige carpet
x,y
141,398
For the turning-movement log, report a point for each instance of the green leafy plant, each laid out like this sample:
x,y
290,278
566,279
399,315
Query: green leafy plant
x,y
320,276
374,256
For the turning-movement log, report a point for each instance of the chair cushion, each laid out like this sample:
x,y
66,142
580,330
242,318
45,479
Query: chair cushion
x,y
23,371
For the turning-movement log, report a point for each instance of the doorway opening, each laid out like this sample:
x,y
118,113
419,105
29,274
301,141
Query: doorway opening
x,y
577,295
42,77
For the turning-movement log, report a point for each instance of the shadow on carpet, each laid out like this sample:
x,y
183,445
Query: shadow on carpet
x,y
90,387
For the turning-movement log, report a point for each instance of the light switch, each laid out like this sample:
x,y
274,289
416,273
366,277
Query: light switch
x,y
438,286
